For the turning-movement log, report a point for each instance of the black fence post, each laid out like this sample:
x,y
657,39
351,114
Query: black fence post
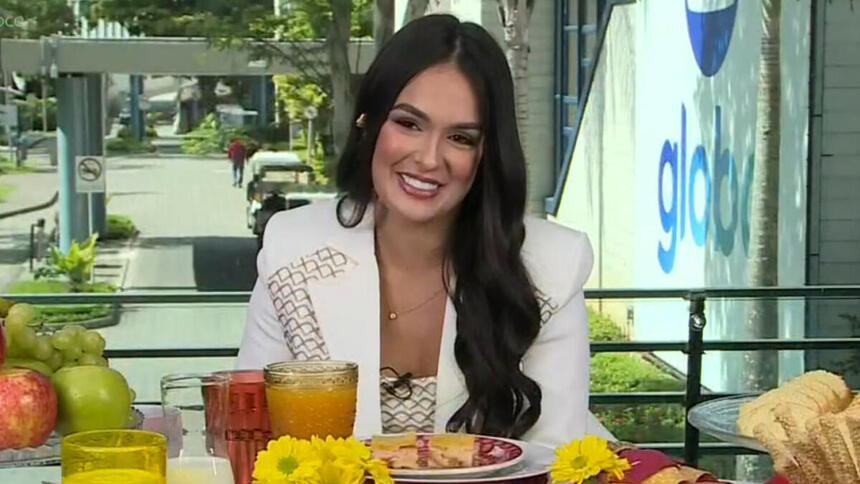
x,y
694,375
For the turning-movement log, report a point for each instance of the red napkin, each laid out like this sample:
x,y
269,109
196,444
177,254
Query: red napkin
x,y
778,479
645,463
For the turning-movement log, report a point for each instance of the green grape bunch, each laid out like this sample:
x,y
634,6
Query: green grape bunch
x,y
71,345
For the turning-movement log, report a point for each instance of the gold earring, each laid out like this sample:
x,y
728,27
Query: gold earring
x,y
360,122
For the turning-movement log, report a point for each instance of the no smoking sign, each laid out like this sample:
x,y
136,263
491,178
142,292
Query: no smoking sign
x,y
89,174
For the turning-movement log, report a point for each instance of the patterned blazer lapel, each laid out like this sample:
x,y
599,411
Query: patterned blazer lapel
x,y
346,309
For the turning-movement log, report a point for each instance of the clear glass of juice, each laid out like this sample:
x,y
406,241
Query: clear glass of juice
x,y
307,398
198,452
111,456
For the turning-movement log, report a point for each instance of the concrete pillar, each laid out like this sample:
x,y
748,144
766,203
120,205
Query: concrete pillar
x,y
137,124
79,132
261,98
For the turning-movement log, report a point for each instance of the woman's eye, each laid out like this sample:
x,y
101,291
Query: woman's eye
x,y
407,123
463,139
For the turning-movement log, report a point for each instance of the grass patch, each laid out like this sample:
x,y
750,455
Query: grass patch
x,y
72,313
6,190
8,167
119,227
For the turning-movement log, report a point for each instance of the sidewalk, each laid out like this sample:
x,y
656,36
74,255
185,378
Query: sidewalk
x,y
31,189
112,257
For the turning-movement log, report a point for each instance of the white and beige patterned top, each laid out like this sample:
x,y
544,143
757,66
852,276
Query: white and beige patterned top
x,y
317,297
415,413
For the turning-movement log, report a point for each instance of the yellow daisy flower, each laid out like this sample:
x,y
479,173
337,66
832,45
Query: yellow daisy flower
x,y
349,456
287,461
335,473
583,459
616,467
378,470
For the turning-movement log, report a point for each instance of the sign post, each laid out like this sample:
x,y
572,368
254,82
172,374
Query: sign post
x,y
310,114
89,179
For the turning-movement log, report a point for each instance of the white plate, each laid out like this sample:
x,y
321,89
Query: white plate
x,y
536,460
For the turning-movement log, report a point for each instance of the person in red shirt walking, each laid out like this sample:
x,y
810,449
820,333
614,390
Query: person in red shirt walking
x,y
238,153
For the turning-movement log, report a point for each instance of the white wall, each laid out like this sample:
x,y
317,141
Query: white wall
x,y
666,78
598,198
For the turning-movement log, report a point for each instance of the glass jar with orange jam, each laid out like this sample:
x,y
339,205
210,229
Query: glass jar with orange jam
x,y
307,398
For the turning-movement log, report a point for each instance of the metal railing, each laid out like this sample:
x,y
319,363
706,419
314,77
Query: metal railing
x,y
694,346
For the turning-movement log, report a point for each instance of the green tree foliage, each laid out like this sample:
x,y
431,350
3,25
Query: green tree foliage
x,y
33,19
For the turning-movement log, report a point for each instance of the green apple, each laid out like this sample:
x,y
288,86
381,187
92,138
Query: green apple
x,y
91,398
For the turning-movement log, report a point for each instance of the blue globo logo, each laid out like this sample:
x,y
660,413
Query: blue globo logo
x,y
710,34
680,208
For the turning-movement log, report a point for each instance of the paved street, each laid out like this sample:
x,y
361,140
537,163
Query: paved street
x,y
192,223
192,237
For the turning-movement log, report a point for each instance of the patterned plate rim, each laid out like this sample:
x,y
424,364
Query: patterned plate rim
x,y
472,471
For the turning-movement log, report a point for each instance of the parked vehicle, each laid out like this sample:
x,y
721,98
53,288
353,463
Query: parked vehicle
x,y
279,181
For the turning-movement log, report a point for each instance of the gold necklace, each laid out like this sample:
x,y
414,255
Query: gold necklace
x,y
392,314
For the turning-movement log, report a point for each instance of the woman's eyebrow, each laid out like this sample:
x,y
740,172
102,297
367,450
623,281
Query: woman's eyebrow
x,y
424,117
413,110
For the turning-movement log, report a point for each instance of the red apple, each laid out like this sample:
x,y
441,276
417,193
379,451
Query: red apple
x,y
28,408
2,342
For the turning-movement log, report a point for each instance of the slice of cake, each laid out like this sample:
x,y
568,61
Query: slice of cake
x,y
400,451
451,450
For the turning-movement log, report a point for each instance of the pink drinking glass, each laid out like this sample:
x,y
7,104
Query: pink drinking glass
x,y
247,430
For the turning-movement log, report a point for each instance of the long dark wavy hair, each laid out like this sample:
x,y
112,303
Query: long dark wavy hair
x,y
498,316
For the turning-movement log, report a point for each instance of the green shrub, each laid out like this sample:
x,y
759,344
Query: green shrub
x,y
624,372
119,227
65,314
127,145
603,328
56,286
156,117
54,314
210,137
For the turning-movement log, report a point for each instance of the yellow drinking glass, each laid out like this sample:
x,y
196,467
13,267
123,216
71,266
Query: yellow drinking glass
x,y
114,456
307,398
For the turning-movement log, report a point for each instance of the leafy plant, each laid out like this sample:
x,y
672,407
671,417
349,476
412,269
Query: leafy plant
x,y
129,145
77,265
48,271
119,227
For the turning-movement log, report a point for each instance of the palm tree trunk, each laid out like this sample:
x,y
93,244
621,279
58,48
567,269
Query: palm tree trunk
x,y
341,76
764,236
414,9
383,22
515,15
761,368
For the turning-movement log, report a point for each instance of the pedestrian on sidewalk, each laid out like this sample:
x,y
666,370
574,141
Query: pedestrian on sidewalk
x,y
237,153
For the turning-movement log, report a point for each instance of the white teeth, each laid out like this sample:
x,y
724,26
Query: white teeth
x,y
418,184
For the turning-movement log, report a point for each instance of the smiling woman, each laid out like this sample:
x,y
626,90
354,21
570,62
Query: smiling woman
x,y
427,267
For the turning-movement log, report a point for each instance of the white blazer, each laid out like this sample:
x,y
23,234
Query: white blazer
x,y
317,297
